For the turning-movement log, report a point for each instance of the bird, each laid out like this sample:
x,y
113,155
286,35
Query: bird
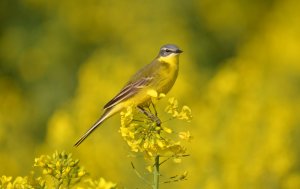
x,y
159,75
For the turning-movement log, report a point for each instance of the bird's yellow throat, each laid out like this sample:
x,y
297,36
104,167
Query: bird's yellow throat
x,y
172,60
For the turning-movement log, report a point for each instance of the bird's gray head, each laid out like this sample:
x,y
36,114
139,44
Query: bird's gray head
x,y
169,49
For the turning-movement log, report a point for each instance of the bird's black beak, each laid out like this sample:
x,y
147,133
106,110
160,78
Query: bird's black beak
x,y
178,51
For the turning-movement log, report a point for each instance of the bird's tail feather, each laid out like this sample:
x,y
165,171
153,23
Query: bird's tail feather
x,y
105,115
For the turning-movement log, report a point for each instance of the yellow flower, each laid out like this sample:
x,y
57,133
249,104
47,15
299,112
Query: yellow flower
x,y
185,136
142,133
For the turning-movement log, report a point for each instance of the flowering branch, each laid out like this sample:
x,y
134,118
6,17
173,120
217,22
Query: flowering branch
x,y
144,132
64,171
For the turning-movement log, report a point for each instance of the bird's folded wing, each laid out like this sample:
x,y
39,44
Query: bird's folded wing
x,y
128,91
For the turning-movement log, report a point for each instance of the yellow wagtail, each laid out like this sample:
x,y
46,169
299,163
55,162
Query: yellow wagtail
x,y
159,75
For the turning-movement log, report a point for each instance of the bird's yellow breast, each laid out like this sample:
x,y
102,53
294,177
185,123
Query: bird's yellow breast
x,y
168,73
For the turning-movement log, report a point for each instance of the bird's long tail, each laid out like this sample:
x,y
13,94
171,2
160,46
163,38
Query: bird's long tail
x,y
105,115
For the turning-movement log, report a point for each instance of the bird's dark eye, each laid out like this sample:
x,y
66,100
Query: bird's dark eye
x,y
166,51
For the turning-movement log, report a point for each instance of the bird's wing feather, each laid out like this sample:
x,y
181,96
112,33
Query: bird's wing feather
x,y
128,91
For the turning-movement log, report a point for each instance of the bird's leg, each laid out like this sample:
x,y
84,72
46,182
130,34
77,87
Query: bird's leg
x,y
154,108
150,115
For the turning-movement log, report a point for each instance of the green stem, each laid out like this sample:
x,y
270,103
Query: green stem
x,y
156,173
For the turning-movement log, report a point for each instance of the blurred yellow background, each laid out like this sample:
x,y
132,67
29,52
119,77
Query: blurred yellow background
x,y
61,61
